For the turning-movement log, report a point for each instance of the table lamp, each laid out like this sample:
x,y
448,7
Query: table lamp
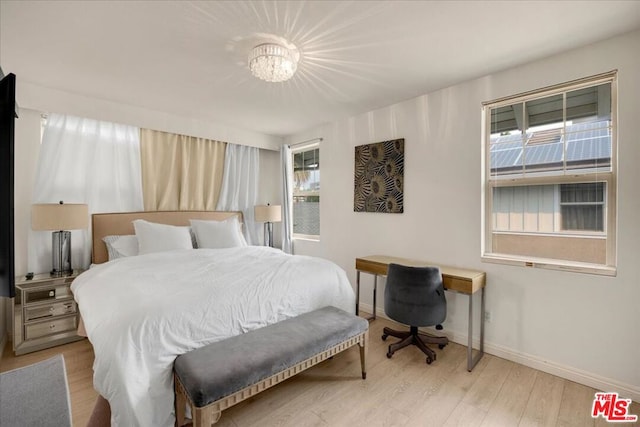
x,y
60,217
268,214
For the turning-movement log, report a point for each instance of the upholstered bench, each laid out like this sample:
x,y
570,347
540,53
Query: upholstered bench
x,y
217,376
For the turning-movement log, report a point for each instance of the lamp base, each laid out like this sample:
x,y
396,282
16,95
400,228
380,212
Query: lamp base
x,y
61,253
268,234
56,273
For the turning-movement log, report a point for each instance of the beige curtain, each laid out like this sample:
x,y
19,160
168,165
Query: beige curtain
x,y
180,172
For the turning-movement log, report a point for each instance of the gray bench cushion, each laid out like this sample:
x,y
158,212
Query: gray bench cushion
x,y
224,367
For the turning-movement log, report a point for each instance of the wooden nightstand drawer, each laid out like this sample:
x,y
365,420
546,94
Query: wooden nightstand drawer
x,y
37,330
49,310
47,293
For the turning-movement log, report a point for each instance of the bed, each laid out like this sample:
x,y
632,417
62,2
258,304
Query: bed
x,y
140,312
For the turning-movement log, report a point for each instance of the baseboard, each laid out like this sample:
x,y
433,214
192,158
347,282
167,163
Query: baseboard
x,y
567,372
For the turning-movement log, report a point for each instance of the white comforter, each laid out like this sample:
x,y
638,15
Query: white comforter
x,y
141,312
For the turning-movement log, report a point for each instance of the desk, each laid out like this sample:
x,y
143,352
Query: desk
x,y
454,279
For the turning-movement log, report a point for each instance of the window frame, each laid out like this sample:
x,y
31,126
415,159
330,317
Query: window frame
x,y
295,150
567,177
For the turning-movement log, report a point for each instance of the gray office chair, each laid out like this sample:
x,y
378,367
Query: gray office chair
x,y
415,296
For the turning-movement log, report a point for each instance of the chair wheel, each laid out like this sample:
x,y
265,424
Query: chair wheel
x,y
384,337
429,360
389,355
441,346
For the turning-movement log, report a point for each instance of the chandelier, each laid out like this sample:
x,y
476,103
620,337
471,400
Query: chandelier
x,y
273,62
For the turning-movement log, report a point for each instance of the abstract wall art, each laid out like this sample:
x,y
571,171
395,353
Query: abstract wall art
x,y
379,177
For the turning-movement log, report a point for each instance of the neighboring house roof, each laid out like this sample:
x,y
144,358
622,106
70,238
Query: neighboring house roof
x,y
587,145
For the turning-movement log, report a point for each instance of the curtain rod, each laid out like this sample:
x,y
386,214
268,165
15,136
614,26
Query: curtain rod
x,y
306,142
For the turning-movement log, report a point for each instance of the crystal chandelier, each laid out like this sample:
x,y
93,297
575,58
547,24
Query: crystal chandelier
x,y
273,62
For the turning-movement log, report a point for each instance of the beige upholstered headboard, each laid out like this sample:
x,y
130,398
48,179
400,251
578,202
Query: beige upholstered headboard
x,y
109,224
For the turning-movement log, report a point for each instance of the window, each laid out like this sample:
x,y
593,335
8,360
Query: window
x,y
306,191
550,177
582,207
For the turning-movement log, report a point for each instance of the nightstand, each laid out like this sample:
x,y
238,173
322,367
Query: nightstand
x,y
44,312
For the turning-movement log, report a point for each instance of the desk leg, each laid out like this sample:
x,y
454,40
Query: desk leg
x,y
375,293
470,335
471,361
482,314
375,288
357,292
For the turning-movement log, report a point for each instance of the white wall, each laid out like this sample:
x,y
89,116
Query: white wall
x,y
50,100
27,145
27,149
583,327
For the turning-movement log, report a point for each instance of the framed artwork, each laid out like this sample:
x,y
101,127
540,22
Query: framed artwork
x,y
379,177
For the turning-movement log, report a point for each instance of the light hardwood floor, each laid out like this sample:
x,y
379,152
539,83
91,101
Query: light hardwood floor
x,y
402,391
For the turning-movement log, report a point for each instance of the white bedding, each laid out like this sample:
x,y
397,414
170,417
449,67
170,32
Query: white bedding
x,y
141,312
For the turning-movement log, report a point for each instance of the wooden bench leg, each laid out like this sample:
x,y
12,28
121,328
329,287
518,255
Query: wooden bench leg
x,y
204,417
363,354
181,404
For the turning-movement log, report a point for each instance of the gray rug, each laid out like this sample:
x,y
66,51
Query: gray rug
x,y
36,395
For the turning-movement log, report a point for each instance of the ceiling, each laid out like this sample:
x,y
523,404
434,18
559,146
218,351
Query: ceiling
x,y
189,58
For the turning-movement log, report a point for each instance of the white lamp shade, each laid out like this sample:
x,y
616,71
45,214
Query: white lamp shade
x,y
56,216
268,213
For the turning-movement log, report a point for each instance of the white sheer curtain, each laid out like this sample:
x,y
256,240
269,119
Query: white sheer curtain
x,y
287,195
84,161
239,190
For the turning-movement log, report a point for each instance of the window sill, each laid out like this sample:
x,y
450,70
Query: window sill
x,y
576,267
307,238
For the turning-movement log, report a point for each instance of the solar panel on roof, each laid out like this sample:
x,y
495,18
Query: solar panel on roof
x,y
543,154
584,142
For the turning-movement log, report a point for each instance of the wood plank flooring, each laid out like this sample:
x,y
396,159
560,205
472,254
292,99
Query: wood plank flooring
x,y
402,391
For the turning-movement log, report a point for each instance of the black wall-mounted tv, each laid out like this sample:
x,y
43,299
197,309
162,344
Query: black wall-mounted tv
x,y
7,118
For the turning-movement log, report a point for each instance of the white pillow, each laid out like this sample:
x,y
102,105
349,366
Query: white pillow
x,y
121,246
153,237
218,234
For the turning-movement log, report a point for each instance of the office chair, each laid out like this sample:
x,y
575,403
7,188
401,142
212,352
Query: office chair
x,y
415,296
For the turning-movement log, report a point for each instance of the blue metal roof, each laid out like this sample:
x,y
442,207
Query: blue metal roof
x,y
585,143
